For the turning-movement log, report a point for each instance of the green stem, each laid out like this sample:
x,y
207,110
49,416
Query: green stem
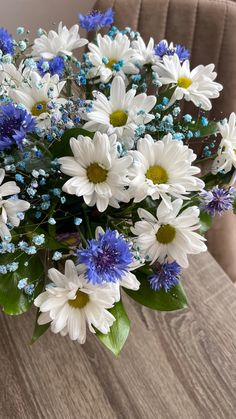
x,y
42,147
69,88
83,239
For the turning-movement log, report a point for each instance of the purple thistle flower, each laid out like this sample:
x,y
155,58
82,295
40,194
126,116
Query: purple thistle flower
x,y
165,276
163,48
6,42
217,200
54,66
14,124
106,258
96,20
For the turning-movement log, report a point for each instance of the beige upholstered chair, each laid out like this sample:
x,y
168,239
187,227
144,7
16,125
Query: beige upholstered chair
x,y
208,29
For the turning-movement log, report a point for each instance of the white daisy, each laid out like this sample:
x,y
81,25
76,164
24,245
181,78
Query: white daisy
x,y
122,113
145,54
169,234
71,303
40,96
162,168
9,208
195,85
97,173
62,42
111,56
226,158
11,76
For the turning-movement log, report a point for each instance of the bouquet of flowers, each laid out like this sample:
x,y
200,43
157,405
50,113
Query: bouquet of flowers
x,y
100,187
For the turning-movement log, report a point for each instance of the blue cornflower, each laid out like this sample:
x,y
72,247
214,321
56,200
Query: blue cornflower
x,y
165,276
106,258
96,20
54,66
14,124
6,42
217,200
182,52
163,48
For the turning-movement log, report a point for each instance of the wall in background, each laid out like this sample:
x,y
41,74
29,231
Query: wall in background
x,y
33,14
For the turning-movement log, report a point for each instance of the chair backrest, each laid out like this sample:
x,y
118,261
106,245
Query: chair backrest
x,y
34,14
206,27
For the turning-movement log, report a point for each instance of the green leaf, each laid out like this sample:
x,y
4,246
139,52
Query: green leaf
x,y
115,339
206,131
39,329
205,222
175,299
234,206
62,148
12,299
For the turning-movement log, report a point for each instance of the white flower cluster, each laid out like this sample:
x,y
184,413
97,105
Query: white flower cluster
x,y
160,170
116,164
39,95
70,301
195,85
10,208
226,158
157,169
55,43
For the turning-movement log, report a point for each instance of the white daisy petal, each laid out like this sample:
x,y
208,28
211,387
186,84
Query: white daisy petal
x,y
169,235
226,158
9,208
97,173
122,114
197,85
37,94
109,52
164,169
55,43
144,54
88,306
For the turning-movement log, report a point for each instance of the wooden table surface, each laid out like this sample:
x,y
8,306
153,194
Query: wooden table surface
x,y
178,365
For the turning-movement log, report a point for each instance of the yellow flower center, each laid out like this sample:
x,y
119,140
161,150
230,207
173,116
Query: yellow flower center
x,y
157,174
166,234
39,107
96,173
118,118
110,63
184,82
80,300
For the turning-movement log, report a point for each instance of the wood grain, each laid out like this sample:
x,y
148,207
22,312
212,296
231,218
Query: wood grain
x,y
175,365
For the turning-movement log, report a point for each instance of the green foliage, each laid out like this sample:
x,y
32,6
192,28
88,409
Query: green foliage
x,y
39,330
205,222
175,299
13,300
234,206
205,131
115,339
220,179
61,148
